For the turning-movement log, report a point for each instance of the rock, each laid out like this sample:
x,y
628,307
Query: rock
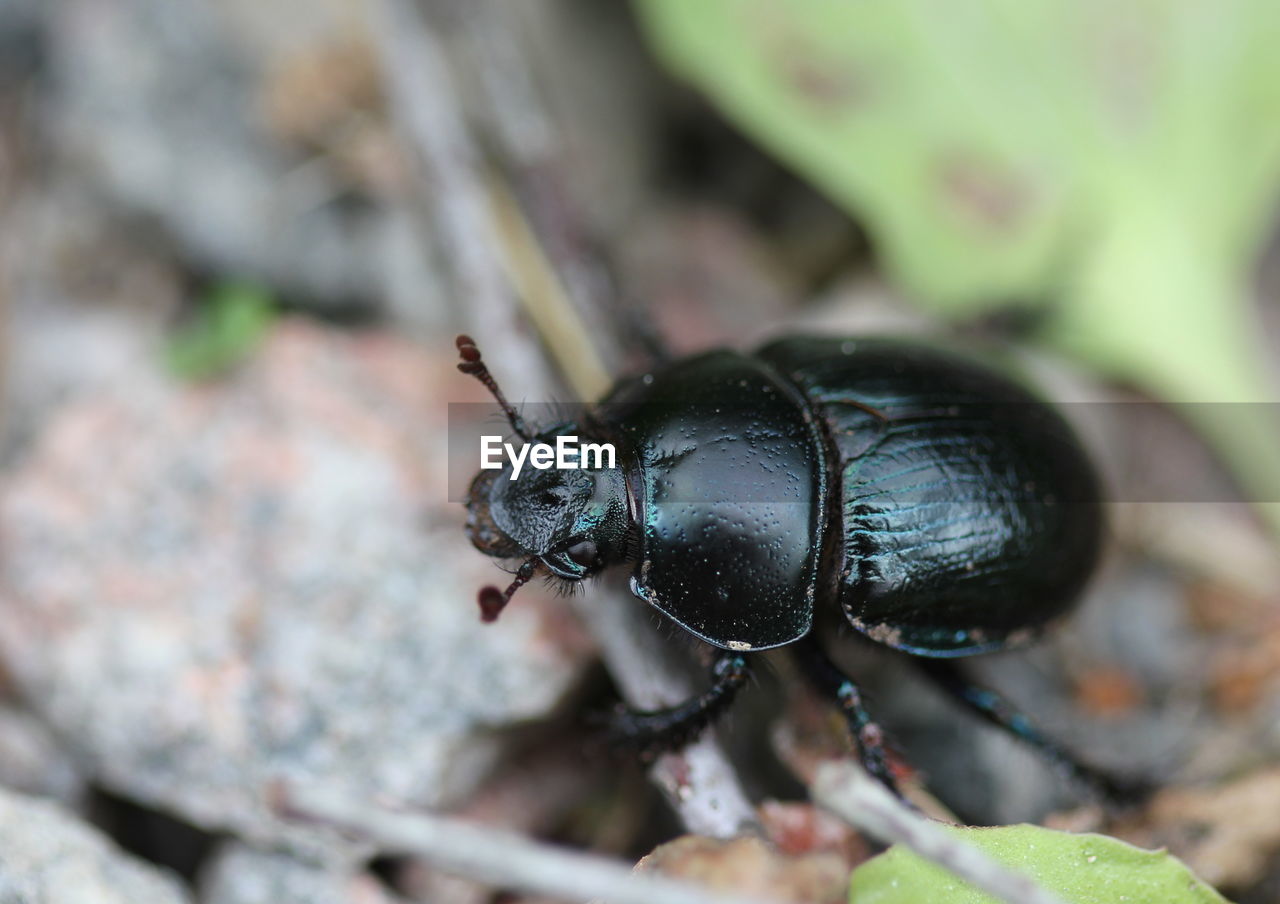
x,y
208,590
242,875
32,761
752,868
256,133
50,857
19,39
803,828
252,132
87,299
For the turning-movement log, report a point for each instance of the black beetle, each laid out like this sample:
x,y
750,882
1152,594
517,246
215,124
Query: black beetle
x,y
945,510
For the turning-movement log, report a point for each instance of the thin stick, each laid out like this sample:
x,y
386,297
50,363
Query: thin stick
x,y
698,782
452,195
847,791
531,143
495,858
546,299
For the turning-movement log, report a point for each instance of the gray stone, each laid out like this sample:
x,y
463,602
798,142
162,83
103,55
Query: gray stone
x,y
242,875
209,590
252,132
32,760
256,133
49,857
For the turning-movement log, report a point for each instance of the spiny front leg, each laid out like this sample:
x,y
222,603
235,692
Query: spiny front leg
x,y
834,684
663,730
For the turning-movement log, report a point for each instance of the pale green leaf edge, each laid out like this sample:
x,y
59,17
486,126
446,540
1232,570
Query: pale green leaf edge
x,y
1080,868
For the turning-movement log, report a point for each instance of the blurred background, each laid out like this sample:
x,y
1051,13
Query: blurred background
x,y
236,242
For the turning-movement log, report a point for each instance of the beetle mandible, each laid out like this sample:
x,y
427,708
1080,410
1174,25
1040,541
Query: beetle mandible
x,y
945,510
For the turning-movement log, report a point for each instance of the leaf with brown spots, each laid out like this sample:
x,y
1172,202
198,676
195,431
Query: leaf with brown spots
x,y
1116,165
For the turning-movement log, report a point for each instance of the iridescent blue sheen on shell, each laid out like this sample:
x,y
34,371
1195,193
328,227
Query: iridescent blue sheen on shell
x,y
945,509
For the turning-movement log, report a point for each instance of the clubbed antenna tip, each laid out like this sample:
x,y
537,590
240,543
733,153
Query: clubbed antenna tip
x,y
473,365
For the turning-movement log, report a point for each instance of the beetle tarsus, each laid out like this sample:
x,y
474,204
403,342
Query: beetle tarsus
x,y
1116,791
655,732
868,736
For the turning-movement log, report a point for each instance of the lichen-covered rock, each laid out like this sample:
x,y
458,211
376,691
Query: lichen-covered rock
x,y
49,857
208,590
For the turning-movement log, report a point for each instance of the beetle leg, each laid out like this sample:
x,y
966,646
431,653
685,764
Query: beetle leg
x,y
869,737
663,730
995,710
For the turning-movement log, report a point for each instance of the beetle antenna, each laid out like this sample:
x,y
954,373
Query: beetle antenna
x,y
472,365
493,601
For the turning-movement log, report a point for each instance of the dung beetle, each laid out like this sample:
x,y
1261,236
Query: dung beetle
x,y
945,510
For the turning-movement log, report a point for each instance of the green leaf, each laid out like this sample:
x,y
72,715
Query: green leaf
x,y
1114,165
233,319
1081,869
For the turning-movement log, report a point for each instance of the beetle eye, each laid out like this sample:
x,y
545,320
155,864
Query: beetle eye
x,y
553,497
583,554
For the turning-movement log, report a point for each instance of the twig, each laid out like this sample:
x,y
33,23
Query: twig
x,y
699,782
495,858
530,139
848,792
546,300
449,168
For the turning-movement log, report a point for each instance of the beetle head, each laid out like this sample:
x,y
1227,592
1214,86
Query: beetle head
x,y
573,521
570,523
